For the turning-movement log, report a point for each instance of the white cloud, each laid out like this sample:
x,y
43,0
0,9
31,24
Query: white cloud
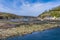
x,y
36,9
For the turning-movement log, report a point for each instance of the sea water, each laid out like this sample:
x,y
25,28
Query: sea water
x,y
51,34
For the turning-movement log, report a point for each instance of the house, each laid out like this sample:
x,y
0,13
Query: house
x,y
49,18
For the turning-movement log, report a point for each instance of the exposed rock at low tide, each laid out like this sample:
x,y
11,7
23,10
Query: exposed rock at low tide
x,y
24,29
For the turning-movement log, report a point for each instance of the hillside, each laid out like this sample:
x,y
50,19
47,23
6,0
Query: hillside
x,y
4,15
55,12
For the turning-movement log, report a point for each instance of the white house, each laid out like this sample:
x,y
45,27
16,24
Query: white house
x,y
50,18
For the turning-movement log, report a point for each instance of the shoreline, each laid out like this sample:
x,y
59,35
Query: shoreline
x,y
25,29
32,32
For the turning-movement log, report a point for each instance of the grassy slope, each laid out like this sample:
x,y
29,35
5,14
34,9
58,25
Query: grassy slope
x,y
54,12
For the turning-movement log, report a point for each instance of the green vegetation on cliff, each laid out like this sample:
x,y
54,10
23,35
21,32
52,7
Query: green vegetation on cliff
x,y
55,12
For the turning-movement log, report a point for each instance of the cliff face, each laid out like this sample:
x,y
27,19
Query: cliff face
x,y
55,12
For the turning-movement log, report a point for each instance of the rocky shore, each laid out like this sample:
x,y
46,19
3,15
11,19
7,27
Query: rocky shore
x,y
25,29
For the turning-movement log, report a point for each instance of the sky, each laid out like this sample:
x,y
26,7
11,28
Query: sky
x,y
27,7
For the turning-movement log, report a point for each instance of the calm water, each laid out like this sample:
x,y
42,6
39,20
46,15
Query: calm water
x,y
52,34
